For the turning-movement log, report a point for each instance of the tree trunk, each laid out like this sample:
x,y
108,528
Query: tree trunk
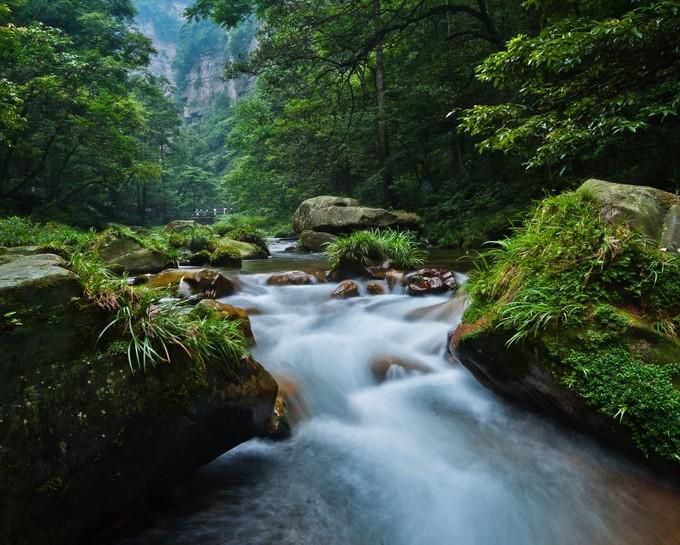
x,y
383,137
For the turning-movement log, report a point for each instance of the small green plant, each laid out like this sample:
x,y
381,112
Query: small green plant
x,y
155,330
361,249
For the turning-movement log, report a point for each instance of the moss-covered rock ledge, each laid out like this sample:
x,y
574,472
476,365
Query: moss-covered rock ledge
x,y
91,423
578,313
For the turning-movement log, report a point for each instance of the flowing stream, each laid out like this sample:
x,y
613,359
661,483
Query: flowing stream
x,y
395,444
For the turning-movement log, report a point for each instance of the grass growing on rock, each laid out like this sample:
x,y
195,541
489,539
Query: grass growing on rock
x,y
601,302
354,252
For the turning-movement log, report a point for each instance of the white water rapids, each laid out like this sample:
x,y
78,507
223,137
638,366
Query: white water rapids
x,y
416,459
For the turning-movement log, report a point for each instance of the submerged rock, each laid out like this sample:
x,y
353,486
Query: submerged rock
x,y
347,288
290,278
430,281
388,366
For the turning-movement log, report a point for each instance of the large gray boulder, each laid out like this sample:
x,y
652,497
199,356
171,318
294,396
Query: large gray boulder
x,y
654,212
341,215
39,279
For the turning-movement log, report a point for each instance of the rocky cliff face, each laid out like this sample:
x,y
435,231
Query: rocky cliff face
x,y
192,56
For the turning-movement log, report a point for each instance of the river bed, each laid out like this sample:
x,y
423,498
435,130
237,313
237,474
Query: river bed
x,y
410,454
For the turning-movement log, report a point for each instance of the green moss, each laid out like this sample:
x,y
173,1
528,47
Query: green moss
x,y
600,303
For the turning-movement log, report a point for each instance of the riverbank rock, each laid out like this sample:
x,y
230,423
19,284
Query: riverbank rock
x,y
341,215
85,440
346,289
316,241
651,211
247,250
430,281
568,320
290,278
125,255
38,279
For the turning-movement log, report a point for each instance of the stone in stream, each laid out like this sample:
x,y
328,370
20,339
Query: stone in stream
x,y
430,281
290,278
382,366
346,289
316,241
205,282
376,288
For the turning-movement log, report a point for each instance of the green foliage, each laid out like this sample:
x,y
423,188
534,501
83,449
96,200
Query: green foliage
x,y
640,396
559,286
17,231
602,82
154,330
365,248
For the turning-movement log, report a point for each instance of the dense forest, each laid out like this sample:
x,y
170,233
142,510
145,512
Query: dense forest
x,y
339,272
463,111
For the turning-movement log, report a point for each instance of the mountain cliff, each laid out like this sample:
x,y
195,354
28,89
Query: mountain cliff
x,y
192,56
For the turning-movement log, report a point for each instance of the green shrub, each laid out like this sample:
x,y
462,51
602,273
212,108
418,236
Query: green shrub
x,y
17,231
352,253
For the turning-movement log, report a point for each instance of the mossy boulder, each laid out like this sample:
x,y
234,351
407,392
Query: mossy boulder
x,y
123,254
86,433
578,314
246,250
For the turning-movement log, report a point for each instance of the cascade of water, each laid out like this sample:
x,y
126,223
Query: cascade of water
x,y
396,445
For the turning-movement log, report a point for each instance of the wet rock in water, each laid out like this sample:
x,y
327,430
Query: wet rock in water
x,y
347,288
230,313
376,288
246,250
289,393
316,241
386,367
181,225
206,282
379,272
279,426
290,278
394,279
430,281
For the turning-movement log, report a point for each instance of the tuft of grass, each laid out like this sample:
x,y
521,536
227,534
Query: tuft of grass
x,y
361,249
154,330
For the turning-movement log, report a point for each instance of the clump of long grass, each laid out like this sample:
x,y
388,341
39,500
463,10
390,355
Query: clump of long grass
x,y
365,248
154,331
